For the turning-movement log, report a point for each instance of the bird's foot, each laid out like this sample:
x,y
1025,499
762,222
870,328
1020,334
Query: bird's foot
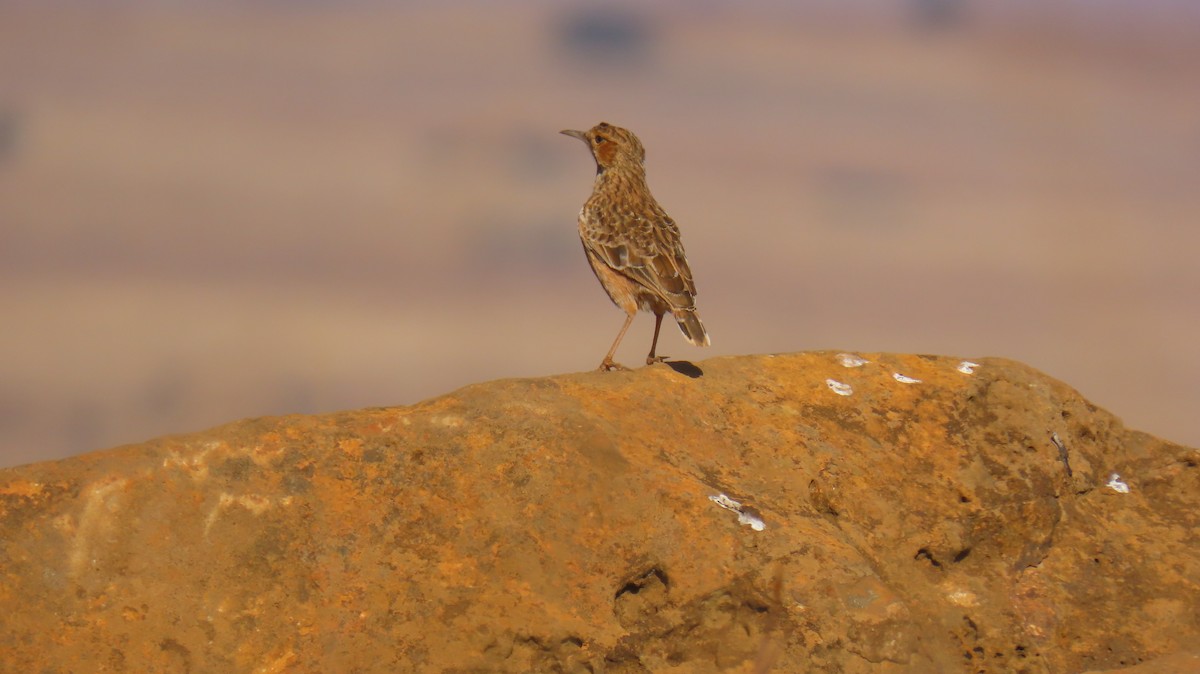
x,y
609,365
650,360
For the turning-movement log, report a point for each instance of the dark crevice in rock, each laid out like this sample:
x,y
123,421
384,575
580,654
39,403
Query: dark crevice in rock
x,y
644,579
925,554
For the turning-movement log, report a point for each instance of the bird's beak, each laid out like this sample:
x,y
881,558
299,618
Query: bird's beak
x,y
575,134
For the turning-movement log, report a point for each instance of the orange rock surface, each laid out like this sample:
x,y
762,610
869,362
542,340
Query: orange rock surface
x,y
948,519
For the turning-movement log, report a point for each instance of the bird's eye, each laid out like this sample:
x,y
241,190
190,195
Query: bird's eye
x,y
600,139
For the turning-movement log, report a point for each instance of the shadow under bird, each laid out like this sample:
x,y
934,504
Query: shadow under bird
x,y
631,242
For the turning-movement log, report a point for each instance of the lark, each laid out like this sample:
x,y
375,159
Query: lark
x,y
631,242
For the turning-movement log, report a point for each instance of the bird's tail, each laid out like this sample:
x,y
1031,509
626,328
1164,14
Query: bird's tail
x,y
690,325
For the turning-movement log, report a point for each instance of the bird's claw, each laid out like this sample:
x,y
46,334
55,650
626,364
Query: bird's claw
x,y
609,365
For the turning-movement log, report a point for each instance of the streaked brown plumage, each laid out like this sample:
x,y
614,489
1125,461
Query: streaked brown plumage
x,y
631,242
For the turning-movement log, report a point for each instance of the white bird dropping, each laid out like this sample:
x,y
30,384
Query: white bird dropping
x,y
838,387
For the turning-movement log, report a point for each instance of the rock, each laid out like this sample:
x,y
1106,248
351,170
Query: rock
x,y
1176,663
567,524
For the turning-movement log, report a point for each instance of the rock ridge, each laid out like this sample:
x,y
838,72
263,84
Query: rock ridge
x,y
813,511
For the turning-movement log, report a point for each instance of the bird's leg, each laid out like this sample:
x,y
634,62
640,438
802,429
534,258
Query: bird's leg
x,y
608,363
652,359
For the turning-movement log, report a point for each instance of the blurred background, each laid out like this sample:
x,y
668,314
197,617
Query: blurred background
x,y
216,210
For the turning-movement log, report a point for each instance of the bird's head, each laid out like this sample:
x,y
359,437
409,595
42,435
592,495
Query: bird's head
x,y
612,146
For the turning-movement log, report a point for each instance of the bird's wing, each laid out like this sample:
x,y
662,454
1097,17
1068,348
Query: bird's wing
x,y
667,235
645,248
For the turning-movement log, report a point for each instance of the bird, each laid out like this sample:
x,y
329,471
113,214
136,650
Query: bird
x,y
633,246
